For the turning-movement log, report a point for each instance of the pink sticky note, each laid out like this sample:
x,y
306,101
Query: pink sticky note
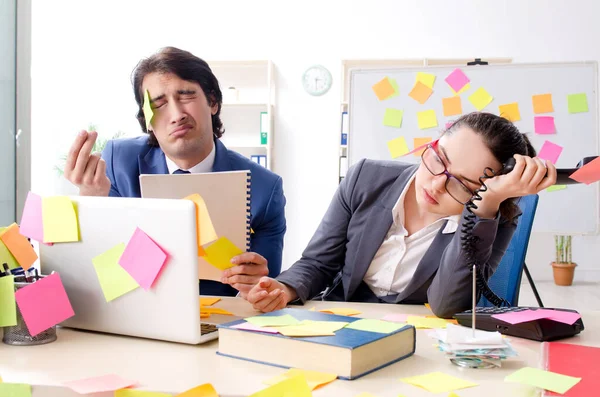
x,y
589,173
520,317
255,328
457,79
143,259
544,125
550,151
44,304
396,318
106,383
31,224
560,316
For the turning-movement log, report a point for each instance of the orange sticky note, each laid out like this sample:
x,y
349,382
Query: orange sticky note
x,y
205,390
215,310
452,106
208,301
204,226
383,89
418,142
420,92
510,111
542,103
19,246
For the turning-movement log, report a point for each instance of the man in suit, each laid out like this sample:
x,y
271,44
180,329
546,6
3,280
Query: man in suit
x,y
182,132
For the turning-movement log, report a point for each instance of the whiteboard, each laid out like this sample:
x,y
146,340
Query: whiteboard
x,y
573,210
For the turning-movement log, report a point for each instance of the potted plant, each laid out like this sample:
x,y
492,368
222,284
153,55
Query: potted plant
x,y
563,267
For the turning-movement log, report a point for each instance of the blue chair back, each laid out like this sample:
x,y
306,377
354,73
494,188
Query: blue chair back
x,y
506,281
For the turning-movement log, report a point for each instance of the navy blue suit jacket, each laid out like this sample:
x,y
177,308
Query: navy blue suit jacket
x,y
127,159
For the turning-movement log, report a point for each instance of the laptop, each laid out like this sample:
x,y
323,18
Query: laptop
x,y
170,309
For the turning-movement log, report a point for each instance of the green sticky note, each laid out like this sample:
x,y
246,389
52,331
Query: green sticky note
x,y
547,380
220,252
480,98
577,103
272,321
15,390
6,256
8,308
394,85
139,393
438,382
147,109
397,147
554,188
114,280
427,119
393,118
379,326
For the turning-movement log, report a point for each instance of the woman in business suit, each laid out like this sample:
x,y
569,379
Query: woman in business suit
x,y
393,230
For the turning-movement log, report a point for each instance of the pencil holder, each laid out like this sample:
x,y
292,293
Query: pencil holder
x,y
18,335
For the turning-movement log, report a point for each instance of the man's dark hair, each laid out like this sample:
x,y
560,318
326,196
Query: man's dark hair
x,y
187,67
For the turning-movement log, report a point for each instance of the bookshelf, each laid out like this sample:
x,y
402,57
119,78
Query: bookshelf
x,y
248,89
349,64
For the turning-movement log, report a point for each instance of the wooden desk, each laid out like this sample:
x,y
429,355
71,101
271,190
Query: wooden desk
x,y
174,368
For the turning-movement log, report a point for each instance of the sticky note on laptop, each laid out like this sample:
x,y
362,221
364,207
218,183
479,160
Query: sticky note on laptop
x,y
143,259
114,280
220,252
59,220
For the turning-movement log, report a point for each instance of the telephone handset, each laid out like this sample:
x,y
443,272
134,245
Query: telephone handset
x,y
562,174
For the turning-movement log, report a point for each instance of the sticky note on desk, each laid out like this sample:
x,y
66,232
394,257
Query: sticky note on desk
x,y
143,259
377,326
272,321
313,378
424,322
587,174
32,224
457,79
8,308
15,390
255,328
44,304
547,380
205,390
577,103
59,220
220,252
550,151
296,386
99,384
383,89
205,228
140,393
480,98
438,382
208,301
19,246
114,280
420,92
544,125
215,310
396,318
341,311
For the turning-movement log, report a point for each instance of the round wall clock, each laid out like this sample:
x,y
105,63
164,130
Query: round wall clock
x,y
316,80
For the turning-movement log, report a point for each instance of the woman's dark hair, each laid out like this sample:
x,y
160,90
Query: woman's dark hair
x,y
187,67
504,141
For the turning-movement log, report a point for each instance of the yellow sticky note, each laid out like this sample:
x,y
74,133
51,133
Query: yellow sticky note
x,y
547,380
420,92
326,325
383,89
397,147
147,109
7,257
139,393
424,322
453,395
480,98
465,88
510,111
114,280
220,252
204,226
426,78
215,310
365,394
393,118
377,326
15,390
554,188
59,220
272,321
296,386
427,119
427,305
341,311
19,246
542,103
438,382
418,142
313,378
452,106
208,301
205,390
8,307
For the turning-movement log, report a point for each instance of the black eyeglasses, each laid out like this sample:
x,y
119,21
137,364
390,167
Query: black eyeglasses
x,y
455,188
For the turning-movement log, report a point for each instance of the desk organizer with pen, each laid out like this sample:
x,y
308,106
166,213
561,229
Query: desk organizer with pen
x,y
19,335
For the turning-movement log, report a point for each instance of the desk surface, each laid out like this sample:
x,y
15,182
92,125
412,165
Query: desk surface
x,y
174,368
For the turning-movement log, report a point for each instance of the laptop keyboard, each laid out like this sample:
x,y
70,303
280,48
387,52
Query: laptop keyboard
x,y
207,328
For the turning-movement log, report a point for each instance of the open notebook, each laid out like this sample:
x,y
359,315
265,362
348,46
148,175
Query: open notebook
x,y
227,199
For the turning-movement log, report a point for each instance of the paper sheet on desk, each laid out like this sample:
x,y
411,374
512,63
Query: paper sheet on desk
x,y
547,380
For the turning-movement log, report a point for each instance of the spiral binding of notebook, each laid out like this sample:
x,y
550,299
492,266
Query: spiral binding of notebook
x,y
248,214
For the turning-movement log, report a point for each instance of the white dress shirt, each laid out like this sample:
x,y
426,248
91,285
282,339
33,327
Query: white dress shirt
x,y
398,257
205,165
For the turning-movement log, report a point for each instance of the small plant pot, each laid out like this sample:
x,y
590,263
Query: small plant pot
x,y
563,273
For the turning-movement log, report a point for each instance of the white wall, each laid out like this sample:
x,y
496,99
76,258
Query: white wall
x,y
84,52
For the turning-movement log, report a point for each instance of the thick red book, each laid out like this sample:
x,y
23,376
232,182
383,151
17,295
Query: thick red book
x,y
574,360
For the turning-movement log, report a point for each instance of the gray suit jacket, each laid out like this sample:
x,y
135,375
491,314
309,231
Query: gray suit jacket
x,y
336,259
